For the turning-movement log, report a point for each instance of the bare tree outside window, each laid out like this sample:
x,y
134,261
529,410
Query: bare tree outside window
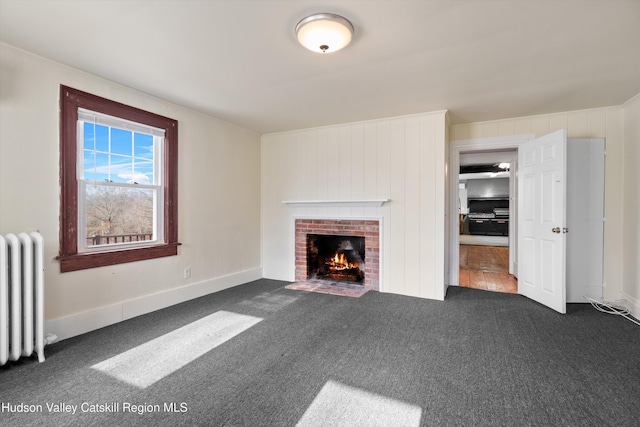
x,y
118,215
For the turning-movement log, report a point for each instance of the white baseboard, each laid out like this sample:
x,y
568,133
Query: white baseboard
x,y
632,304
81,323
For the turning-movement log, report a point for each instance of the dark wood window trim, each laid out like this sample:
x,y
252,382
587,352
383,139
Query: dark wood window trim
x,y
70,260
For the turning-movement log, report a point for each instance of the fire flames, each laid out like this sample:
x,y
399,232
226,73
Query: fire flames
x,y
339,262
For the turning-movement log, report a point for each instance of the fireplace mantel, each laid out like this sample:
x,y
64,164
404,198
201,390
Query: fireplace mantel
x,y
352,203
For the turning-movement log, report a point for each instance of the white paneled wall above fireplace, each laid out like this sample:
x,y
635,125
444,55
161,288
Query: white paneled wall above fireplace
x,y
401,159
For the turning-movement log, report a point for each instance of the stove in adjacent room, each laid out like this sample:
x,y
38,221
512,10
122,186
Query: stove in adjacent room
x,y
494,223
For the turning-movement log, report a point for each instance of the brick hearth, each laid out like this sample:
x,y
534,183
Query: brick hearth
x,y
369,229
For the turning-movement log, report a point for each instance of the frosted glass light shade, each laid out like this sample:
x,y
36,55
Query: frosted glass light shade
x,y
324,32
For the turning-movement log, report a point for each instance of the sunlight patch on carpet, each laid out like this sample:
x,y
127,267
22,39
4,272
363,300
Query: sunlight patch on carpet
x,y
269,301
340,405
148,363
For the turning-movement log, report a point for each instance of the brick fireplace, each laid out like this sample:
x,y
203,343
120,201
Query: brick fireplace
x,y
369,229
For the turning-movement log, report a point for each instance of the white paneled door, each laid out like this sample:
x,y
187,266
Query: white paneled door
x,y
542,220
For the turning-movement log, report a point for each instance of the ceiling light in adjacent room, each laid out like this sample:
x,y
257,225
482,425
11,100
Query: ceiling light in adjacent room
x,y
324,32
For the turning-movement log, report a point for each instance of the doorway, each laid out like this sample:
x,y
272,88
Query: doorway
x,y
485,193
482,147
577,269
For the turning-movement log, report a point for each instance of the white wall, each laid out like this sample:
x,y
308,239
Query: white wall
x,y
219,199
631,211
402,159
605,123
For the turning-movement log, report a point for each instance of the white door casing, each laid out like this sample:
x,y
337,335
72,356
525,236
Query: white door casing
x,y
542,220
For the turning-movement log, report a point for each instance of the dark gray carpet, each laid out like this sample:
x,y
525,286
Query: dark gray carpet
x,y
476,359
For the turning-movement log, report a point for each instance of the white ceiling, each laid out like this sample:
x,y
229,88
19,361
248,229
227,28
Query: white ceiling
x,y
239,60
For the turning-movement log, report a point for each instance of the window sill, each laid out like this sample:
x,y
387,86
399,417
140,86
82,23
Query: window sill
x,y
102,259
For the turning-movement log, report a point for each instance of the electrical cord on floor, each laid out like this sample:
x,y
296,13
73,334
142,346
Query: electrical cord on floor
x,y
612,308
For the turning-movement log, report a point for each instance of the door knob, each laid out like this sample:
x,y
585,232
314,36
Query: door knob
x,y
556,230
565,230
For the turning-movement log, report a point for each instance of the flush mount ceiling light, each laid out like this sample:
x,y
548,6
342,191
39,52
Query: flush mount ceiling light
x,y
324,32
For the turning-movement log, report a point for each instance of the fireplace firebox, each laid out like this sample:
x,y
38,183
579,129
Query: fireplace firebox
x,y
339,258
343,229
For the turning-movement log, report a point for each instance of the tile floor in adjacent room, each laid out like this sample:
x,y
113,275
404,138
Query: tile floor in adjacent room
x,y
487,268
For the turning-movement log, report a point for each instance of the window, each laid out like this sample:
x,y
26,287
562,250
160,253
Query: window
x,y
118,176
120,185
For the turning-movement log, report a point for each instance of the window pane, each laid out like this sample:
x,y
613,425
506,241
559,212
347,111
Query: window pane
x,y
102,167
89,136
121,141
118,215
121,169
143,172
143,145
102,138
89,165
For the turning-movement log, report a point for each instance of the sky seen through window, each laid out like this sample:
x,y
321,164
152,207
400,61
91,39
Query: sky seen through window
x,y
117,155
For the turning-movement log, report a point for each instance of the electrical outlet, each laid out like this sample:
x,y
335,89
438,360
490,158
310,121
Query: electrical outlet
x,y
187,272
